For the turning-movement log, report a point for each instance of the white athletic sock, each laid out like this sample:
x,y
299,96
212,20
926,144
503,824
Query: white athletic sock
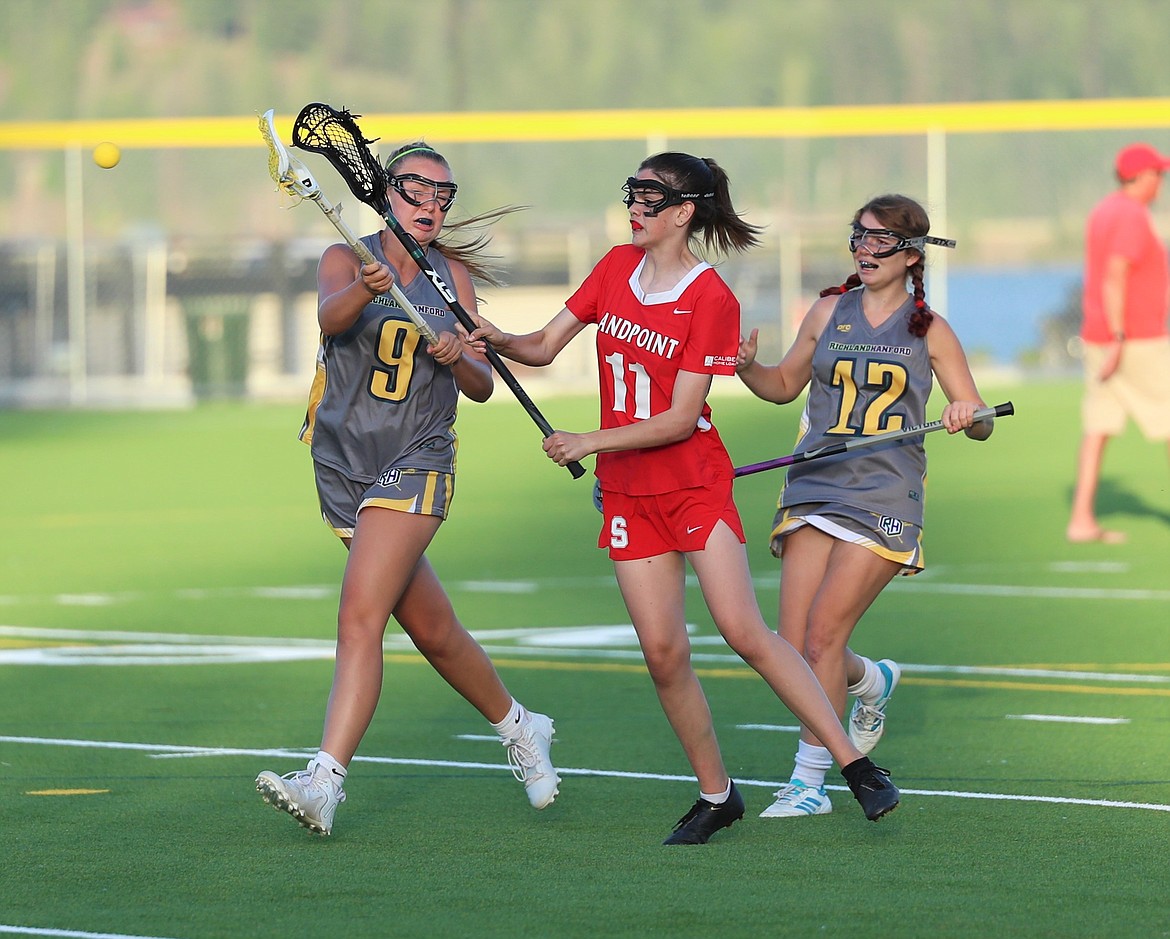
x,y
717,798
871,685
333,770
513,721
812,763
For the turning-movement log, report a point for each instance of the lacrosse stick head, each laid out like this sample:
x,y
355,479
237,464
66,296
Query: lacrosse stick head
x,y
289,173
277,154
336,136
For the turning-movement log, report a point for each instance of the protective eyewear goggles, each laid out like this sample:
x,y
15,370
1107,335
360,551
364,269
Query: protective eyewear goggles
x,y
418,190
883,243
656,196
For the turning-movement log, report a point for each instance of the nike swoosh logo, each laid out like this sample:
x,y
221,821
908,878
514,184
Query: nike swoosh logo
x,y
678,312
691,531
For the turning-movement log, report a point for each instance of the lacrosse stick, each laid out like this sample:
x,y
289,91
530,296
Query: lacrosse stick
x,y
336,136
291,175
856,443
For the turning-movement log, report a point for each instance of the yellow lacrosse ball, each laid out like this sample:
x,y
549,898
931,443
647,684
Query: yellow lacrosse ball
x,y
106,155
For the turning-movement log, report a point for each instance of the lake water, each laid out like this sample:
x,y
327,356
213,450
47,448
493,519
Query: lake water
x,y
997,312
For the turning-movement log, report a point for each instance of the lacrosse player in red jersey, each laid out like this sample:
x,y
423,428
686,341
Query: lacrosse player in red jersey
x,y
666,324
380,424
867,351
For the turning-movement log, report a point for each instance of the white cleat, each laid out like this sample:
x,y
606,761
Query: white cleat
x,y
309,797
529,758
867,722
796,800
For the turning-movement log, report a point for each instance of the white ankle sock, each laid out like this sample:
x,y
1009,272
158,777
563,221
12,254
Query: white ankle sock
x,y
333,770
513,721
717,798
812,763
871,685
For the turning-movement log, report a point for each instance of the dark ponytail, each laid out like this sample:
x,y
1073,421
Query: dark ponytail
x,y
723,231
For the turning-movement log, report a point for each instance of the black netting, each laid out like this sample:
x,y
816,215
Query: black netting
x,y
336,136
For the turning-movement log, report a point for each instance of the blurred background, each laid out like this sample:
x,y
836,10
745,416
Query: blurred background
x,y
181,274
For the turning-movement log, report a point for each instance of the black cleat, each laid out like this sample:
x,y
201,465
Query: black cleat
x,y
872,788
705,818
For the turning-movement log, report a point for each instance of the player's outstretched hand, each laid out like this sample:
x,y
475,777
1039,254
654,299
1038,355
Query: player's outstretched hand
x,y
747,350
485,334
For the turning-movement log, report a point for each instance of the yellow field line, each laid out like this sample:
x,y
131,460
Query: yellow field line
x,y
746,672
632,124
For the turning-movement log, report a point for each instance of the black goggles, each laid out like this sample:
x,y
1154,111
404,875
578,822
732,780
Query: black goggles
x,y
418,190
883,243
657,196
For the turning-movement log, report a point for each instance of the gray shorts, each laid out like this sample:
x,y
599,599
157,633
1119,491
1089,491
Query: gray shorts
x,y
402,489
888,537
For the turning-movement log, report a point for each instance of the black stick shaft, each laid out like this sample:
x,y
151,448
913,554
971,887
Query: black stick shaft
x,y
855,443
469,324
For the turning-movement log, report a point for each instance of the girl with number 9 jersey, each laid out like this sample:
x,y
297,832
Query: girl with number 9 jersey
x,y
381,427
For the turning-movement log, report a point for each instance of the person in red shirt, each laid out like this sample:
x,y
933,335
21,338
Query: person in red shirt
x,y
1127,349
666,324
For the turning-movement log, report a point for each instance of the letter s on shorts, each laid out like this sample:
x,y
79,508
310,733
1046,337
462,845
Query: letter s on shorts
x,y
618,537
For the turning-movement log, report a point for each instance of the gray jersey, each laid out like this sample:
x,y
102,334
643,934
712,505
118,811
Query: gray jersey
x,y
865,381
379,400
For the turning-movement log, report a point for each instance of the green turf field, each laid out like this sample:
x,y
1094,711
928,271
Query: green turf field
x,y
167,599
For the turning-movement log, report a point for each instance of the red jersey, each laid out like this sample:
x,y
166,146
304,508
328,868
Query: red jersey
x,y
1122,226
643,342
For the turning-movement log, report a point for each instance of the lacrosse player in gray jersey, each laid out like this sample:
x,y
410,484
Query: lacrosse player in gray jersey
x,y
380,424
868,352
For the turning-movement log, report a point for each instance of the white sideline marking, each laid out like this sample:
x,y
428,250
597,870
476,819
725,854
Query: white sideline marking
x,y
78,934
565,771
600,641
1066,719
1047,593
85,599
782,728
922,584
1035,673
1089,567
500,586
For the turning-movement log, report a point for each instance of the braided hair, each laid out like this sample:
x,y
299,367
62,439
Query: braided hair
x,y
902,215
722,229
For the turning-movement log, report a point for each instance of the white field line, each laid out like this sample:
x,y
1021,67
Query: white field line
x,y
73,933
1067,719
614,642
1046,593
774,728
922,584
565,771
116,635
